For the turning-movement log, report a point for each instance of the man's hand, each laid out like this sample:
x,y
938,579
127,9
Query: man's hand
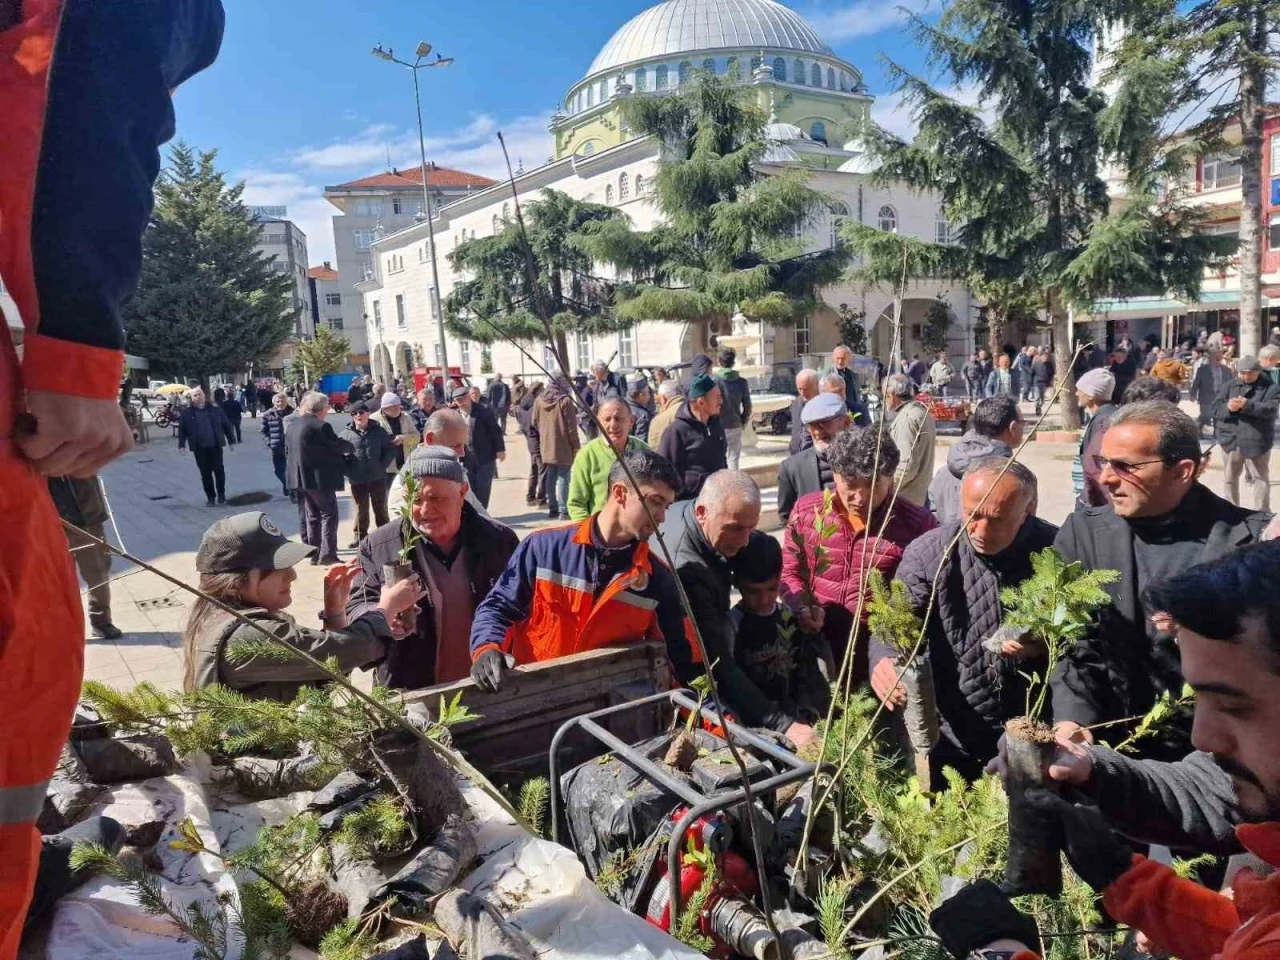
x,y
800,734
489,669
397,440
71,436
884,681
1024,648
981,916
1068,731
1072,763
502,456
1235,404
811,619
1096,854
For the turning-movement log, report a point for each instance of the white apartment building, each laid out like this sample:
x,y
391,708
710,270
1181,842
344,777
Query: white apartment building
x,y
286,246
374,207
326,300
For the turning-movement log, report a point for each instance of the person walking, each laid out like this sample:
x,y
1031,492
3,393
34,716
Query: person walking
x,y
526,410
913,430
485,444
1000,382
1022,371
1247,408
1209,381
499,395
974,379
1123,367
402,429
205,430
373,452
317,471
1043,372
249,398
735,407
273,433
232,408
1093,394
557,427
80,502
941,373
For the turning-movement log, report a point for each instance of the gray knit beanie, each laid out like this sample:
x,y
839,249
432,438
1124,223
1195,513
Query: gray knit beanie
x,y
435,461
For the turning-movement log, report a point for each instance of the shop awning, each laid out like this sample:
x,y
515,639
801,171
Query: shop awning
x,y
1137,308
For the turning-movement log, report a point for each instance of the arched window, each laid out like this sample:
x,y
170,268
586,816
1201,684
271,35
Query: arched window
x,y
800,72
839,213
641,79
588,148
639,185
779,69
844,81
818,131
604,90
942,229
660,77
591,97
608,193
624,186
887,219
709,65
831,78
815,75
731,68
755,63
506,211
496,226
686,70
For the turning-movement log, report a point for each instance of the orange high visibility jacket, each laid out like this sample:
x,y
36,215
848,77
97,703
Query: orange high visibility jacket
x,y
550,603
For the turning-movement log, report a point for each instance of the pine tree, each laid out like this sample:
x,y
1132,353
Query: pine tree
x,y
325,353
208,301
1026,186
727,237
497,288
937,320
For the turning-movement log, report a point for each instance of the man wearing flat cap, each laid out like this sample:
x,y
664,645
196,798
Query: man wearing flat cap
x,y
695,442
808,471
1246,418
456,553
485,443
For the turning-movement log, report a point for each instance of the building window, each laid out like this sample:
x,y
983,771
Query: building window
x,y
549,359
368,208
591,97
779,69
333,299
626,348
496,227
604,90
464,348
942,230
686,71
839,212
608,193
755,63
422,253
818,131
660,77
1220,171
437,350
506,212
624,186
366,270
401,320
803,337
709,65
1273,232
588,148
831,78
377,314
800,72
1275,155
397,206
731,68
641,80
887,219
365,238
335,323
815,75
1229,228
583,346
639,184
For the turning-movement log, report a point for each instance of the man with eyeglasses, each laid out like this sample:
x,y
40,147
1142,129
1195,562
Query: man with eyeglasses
x,y
1161,521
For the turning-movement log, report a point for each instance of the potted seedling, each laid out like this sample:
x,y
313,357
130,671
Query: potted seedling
x,y
892,619
683,750
393,573
1054,607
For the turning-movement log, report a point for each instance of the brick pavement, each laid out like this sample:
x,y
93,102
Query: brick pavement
x,y
159,507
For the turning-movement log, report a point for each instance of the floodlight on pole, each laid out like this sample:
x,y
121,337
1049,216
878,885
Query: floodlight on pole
x,y
423,49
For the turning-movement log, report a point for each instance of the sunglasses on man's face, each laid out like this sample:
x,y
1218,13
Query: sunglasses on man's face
x,y
1121,468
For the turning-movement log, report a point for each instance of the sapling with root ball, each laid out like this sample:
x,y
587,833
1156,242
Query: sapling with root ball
x,y
1055,606
684,748
410,536
891,618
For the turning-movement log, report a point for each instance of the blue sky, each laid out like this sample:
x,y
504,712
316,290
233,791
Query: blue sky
x,y
296,101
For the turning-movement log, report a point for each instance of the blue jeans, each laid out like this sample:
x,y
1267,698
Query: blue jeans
x,y
557,491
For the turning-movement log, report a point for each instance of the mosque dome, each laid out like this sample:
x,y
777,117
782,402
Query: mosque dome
x,y
782,132
676,27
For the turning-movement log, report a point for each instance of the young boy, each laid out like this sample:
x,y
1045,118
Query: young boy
x,y
789,667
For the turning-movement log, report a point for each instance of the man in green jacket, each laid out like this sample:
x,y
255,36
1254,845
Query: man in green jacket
x,y
589,478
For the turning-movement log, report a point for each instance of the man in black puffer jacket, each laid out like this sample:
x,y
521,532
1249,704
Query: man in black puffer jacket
x,y
977,689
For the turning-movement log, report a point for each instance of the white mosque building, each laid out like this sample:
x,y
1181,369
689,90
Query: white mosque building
x,y
816,102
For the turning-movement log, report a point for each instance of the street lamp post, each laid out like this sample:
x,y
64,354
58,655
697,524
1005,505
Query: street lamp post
x,y
423,50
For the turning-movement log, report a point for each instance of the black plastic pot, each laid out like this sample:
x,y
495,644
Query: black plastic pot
x,y
1035,840
920,717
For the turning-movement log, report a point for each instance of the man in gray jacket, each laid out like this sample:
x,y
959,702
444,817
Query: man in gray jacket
x,y
995,430
912,428
735,411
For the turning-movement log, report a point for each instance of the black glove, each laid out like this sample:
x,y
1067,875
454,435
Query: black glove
x,y
1095,853
489,669
980,914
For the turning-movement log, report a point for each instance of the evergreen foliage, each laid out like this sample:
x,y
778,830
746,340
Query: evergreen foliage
x,y
891,615
937,320
377,829
325,353
851,329
535,794
1026,187
207,302
727,240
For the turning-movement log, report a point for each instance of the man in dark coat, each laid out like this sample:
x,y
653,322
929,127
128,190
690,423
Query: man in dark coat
x,y
1247,406
526,417
499,395
1161,521
640,402
80,501
977,688
204,428
485,443
1124,367
1209,380
842,357
694,443
806,390
317,471
458,555
372,453
273,432
808,471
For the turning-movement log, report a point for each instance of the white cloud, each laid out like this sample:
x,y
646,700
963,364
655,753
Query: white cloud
x,y
306,203
862,18
893,115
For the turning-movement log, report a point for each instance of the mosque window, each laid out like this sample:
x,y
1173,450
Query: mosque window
x,y
887,219
588,148
709,65
800,72
844,81
815,75
497,228
779,69
731,68
624,187
755,63
831,78
639,185
591,97
604,90
608,193
641,79
839,213
686,69
660,77
818,131
506,211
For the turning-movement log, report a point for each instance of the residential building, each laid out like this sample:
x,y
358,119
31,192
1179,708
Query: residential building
x,y
810,94
375,207
286,246
326,311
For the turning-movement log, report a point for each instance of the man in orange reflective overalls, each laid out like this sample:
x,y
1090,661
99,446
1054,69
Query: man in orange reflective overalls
x,y
85,88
